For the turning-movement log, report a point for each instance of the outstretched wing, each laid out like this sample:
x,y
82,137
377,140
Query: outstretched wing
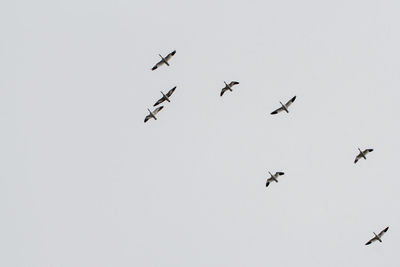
x,y
233,83
157,65
223,90
148,117
157,110
277,111
162,99
269,180
383,232
366,151
357,158
170,92
290,102
170,55
371,240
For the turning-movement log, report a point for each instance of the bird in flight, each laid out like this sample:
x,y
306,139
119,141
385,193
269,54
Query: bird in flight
x,y
284,107
362,154
228,87
153,114
273,178
377,236
165,97
164,60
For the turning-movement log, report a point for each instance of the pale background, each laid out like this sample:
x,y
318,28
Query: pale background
x,y
84,182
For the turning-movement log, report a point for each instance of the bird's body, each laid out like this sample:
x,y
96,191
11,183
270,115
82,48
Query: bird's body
x,y
164,60
165,97
273,178
284,107
228,87
377,237
153,114
362,154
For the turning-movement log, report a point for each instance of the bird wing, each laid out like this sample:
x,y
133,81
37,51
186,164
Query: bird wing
x,y
170,92
269,180
170,55
233,83
277,111
357,158
162,99
223,90
157,65
366,151
371,240
290,102
148,117
157,110
383,232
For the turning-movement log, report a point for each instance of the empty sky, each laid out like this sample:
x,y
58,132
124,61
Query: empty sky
x,y
84,182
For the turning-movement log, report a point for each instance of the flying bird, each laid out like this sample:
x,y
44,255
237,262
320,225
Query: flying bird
x,y
377,236
284,107
165,97
228,87
362,154
164,60
153,114
273,178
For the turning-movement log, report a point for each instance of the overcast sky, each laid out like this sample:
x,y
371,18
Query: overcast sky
x,y
84,182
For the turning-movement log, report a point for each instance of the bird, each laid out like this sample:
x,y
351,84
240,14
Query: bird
x,y
273,178
284,107
153,114
164,60
165,96
228,87
377,236
362,154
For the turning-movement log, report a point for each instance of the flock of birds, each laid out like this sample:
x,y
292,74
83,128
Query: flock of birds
x,y
165,97
283,107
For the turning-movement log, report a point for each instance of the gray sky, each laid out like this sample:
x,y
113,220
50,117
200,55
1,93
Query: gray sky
x,y
84,182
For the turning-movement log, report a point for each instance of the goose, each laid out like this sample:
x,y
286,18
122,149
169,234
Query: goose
x,y
164,60
273,178
284,107
362,154
377,236
165,96
153,114
228,87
